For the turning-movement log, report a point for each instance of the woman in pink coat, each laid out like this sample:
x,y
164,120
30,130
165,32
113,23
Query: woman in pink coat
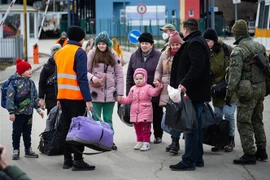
x,y
141,111
106,78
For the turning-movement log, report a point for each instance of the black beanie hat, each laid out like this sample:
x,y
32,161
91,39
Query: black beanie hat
x,y
75,33
210,34
146,37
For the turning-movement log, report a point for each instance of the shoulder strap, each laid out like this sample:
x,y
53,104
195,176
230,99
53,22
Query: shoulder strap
x,y
93,153
246,46
225,49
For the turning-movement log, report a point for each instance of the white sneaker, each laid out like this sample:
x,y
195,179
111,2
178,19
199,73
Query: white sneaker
x,y
138,145
145,146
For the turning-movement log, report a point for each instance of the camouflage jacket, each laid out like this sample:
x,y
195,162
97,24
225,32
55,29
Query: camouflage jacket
x,y
240,63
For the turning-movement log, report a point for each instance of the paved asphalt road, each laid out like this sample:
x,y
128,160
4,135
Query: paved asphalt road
x,y
128,164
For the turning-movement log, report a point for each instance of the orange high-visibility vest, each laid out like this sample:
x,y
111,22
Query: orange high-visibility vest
x,y
68,86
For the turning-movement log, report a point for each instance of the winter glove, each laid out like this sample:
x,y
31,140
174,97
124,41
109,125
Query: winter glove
x,y
228,97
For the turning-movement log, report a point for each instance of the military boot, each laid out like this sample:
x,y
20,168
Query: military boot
x,y
261,154
175,146
246,159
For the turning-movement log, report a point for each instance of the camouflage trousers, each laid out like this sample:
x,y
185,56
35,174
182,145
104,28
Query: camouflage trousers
x,y
250,120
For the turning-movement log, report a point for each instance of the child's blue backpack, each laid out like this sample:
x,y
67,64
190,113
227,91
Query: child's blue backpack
x,y
4,89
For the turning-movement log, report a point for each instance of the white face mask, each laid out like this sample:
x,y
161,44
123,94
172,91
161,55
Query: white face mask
x,y
165,36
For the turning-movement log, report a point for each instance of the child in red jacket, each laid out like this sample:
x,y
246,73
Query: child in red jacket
x,y
141,112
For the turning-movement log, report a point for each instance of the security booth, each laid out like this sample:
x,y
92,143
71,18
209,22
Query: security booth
x,y
12,31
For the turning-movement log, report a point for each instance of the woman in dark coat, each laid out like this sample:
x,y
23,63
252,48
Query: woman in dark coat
x,y
47,82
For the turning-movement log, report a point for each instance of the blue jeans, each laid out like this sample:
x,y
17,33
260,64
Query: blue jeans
x,y
194,141
227,112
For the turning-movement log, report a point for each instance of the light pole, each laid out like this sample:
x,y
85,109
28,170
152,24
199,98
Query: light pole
x,y
25,30
212,14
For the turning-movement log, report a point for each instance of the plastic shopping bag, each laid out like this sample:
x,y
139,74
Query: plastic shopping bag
x,y
174,94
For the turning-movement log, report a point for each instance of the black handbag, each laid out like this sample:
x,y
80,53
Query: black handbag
x,y
50,143
219,89
181,116
123,112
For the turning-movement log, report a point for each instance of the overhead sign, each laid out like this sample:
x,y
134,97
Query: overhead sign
x,y
155,15
133,36
141,8
213,9
236,1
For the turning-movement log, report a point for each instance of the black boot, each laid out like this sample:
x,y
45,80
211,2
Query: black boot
x,y
246,159
261,154
168,148
230,146
175,146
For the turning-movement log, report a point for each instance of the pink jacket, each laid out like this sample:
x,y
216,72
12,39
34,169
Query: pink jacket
x,y
140,99
114,82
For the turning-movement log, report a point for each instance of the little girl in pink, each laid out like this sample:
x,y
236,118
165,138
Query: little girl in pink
x,y
141,112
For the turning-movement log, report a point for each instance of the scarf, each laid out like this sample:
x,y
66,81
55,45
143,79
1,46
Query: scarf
x,y
146,55
173,52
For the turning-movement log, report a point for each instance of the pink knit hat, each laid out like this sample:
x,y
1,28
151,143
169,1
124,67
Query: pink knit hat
x,y
175,38
140,71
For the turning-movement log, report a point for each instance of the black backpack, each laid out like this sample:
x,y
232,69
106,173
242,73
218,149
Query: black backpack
x,y
50,140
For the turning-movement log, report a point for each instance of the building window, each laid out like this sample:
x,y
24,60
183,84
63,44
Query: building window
x,y
191,13
122,16
166,16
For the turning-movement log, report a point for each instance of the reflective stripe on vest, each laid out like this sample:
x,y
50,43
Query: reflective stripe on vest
x,y
68,87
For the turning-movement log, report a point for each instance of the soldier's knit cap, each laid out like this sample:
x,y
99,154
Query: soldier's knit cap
x,y
210,34
146,37
168,26
240,27
75,33
103,37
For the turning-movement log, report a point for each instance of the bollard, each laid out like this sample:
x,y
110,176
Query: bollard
x,y
35,50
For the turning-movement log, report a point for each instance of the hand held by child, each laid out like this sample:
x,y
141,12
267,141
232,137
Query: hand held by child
x,y
156,83
12,117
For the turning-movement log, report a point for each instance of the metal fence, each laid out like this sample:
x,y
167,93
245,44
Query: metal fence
x,y
120,29
11,48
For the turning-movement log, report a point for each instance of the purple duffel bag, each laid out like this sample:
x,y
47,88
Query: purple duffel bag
x,y
96,135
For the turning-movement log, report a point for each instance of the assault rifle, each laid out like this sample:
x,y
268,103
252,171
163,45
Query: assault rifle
x,y
258,62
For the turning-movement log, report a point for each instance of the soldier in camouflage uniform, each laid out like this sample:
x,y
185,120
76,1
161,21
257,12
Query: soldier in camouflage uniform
x,y
248,81
168,29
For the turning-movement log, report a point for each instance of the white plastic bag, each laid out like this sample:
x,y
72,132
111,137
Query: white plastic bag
x,y
174,94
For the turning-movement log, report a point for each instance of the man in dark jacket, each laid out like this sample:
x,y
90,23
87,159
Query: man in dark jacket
x,y
191,74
